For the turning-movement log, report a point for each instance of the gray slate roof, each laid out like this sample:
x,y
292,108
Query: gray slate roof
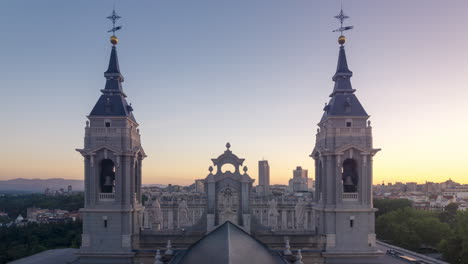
x,y
55,256
228,244
343,102
112,101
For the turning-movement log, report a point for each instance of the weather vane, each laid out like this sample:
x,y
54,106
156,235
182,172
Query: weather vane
x,y
341,17
114,17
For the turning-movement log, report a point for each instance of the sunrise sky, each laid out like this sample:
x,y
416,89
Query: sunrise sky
x,y
255,73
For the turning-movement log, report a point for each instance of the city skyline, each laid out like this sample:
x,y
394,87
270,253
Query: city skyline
x,y
259,83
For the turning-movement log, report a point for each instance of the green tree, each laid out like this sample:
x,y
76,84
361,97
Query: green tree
x,y
19,242
385,206
455,248
449,215
411,228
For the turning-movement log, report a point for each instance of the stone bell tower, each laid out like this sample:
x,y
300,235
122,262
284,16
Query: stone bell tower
x,y
343,172
112,166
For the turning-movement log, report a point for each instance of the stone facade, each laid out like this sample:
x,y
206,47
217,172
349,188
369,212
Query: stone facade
x,y
333,225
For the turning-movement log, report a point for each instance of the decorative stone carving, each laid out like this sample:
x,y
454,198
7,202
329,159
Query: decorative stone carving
x,y
287,249
157,258
273,214
183,213
169,251
146,219
299,258
300,210
157,215
228,204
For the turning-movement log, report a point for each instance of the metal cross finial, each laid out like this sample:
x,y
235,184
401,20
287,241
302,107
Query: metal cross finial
x,y
114,17
341,17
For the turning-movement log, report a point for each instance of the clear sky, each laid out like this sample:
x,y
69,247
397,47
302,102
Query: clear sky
x,y
255,73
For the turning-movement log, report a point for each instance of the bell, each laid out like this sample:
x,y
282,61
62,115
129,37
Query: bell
x,y
108,181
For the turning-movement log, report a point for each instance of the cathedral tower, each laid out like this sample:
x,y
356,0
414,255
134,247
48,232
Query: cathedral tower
x,y
343,167
112,166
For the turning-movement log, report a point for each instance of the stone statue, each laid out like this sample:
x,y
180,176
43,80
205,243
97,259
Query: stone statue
x,y
157,215
146,219
146,215
272,214
227,202
183,213
300,211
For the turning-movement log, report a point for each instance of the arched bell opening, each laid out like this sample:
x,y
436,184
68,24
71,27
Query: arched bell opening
x,y
107,176
349,176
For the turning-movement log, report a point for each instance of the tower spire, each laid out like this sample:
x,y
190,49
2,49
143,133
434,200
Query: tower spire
x,y
343,101
342,74
112,101
113,76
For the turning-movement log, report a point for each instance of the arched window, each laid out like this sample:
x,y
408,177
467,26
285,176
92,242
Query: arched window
x,y
107,176
349,176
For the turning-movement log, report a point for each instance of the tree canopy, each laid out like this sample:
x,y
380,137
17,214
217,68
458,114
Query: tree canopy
x,y
18,242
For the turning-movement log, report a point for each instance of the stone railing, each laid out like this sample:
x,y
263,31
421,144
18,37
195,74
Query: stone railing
x,y
106,197
346,196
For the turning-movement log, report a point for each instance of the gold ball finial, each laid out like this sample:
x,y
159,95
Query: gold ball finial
x,y
114,40
341,40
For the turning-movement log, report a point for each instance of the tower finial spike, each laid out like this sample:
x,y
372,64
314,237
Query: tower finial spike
x,y
114,17
342,17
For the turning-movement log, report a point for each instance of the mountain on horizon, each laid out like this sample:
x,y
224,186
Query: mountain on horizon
x,y
39,185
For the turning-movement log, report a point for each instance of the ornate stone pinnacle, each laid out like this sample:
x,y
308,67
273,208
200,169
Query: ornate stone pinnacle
x,y
169,251
157,258
287,249
299,258
228,145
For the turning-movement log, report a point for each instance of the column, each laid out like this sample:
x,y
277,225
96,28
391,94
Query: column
x,y
284,221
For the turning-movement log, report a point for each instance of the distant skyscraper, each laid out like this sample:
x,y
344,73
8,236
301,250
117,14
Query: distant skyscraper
x,y
300,180
263,176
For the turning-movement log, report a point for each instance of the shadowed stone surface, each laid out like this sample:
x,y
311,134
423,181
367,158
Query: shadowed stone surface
x,y
230,245
57,256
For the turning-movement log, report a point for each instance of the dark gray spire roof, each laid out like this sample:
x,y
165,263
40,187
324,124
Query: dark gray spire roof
x,y
343,74
343,101
228,244
112,101
113,62
113,77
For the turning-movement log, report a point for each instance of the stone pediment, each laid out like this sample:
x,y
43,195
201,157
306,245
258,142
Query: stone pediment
x,y
94,150
369,151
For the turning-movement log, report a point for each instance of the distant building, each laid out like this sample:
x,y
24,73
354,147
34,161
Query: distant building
x,y
199,186
19,219
300,180
459,192
310,184
411,186
263,177
70,189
